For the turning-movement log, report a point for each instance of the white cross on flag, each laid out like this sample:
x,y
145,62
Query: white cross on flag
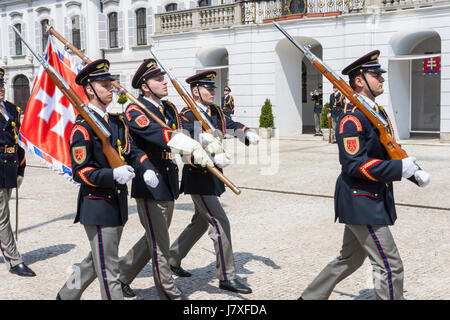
x,y
432,65
49,116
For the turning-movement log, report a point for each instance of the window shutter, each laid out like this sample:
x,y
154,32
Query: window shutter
x,y
83,31
68,29
37,29
24,35
12,42
120,26
102,31
149,24
132,40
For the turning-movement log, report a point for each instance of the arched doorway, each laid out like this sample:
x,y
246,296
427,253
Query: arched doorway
x,y
295,78
415,94
21,87
214,58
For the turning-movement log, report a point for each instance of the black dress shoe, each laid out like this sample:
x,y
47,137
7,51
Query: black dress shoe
x,y
22,270
179,271
127,291
58,297
300,298
234,285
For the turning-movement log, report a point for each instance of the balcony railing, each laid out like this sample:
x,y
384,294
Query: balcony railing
x,y
388,5
249,12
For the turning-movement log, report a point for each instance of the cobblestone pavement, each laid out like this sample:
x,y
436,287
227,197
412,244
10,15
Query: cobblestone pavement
x,y
281,241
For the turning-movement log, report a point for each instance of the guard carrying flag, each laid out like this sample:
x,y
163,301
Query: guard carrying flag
x,y
102,200
364,195
12,169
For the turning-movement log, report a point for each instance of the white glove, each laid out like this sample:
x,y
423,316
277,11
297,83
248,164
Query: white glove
x,y
252,137
150,178
209,143
201,157
19,181
181,143
222,160
422,177
409,167
123,174
328,115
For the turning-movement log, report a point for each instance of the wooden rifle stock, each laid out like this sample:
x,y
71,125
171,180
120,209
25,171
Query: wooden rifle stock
x,y
111,154
187,99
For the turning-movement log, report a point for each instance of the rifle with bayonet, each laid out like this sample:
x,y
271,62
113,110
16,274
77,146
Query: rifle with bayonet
x,y
393,149
102,133
122,91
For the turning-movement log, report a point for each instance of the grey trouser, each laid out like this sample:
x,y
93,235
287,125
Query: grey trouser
x,y
361,241
333,128
155,217
101,263
7,242
317,119
208,213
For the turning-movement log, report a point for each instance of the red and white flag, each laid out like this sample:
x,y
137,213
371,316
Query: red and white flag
x,y
49,116
432,66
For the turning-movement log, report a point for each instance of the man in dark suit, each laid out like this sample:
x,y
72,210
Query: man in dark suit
x,y
205,188
102,206
317,97
364,196
12,163
155,206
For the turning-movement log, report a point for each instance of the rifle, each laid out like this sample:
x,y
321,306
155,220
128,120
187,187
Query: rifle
x,y
393,149
102,133
190,102
122,91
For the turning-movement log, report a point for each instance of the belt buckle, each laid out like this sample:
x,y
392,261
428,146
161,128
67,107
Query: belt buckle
x,y
10,149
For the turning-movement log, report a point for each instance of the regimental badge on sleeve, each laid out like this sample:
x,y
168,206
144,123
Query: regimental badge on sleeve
x,y
351,145
79,154
142,121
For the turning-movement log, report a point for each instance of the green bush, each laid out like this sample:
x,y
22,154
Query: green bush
x,y
323,116
266,118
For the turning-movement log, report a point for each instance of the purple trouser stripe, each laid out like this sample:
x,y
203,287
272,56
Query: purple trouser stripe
x,y
155,249
102,262
219,238
385,261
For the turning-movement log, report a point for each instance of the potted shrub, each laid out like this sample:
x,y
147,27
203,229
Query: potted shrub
x,y
266,120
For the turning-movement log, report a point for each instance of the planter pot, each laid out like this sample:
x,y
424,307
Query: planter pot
x,y
289,17
332,14
265,133
314,15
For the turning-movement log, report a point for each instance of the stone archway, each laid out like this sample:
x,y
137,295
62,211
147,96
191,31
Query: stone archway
x,y
21,88
415,96
294,112
214,58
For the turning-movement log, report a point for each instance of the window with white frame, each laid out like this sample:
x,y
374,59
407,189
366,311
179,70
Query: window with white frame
x,y
204,3
113,30
141,26
171,7
76,32
44,24
18,41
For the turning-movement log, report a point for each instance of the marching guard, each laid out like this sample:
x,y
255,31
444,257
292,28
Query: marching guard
x,y
364,198
155,206
12,163
205,189
102,206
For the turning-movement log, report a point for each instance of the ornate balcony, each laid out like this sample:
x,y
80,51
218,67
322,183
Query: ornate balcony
x,y
250,12
390,5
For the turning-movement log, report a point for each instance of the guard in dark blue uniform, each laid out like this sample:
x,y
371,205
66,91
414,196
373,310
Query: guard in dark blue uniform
x,y
155,206
12,169
205,188
227,102
102,200
335,108
364,198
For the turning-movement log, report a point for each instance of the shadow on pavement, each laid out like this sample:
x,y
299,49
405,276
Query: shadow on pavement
x,y
46,253
201,278
366,294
